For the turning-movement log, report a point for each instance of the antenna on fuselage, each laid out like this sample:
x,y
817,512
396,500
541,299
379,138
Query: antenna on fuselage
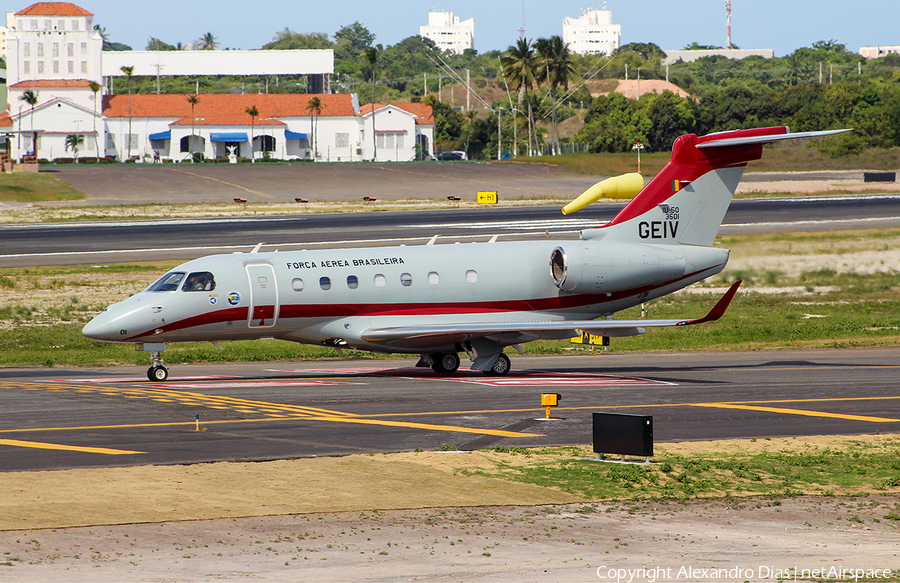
x,y
432,241
257,248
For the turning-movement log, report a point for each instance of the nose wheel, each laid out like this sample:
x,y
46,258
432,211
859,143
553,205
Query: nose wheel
x,y
157,371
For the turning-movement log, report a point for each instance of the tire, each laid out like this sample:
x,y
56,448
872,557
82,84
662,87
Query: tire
x,y
157,373
445,363
501,367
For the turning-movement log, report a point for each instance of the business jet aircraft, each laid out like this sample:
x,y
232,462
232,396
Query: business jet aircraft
x,y
478,298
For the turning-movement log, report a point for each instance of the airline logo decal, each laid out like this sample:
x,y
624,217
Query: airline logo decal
x,y
234,298
213,299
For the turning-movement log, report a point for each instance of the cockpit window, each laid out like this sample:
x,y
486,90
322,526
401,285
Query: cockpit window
x,y
168,282
199,281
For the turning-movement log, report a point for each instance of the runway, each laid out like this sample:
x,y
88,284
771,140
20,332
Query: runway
x,y
120,241
72,418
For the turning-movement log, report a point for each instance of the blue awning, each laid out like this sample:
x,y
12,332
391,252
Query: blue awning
x,y
166,135
228,137
289,135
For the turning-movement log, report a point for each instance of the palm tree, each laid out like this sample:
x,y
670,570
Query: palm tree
x,y
555,69
73,141
129,72
95,87
208,42
371,54
193,100
314,106
252,112
519,65
31,98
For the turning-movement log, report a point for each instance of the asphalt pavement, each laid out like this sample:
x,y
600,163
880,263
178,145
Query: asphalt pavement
x,y
71,417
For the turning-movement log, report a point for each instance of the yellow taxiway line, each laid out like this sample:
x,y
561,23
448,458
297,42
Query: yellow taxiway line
x,y
804,412
58,446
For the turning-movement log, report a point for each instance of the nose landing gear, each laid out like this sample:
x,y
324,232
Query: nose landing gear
x,y
157,371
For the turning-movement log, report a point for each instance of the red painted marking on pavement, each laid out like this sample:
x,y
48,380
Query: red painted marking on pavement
x,y
246,384
136,379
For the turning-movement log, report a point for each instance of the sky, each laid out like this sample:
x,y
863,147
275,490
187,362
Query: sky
x,y
782,25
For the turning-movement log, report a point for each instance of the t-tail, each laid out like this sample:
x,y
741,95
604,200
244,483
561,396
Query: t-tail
x,y
686,202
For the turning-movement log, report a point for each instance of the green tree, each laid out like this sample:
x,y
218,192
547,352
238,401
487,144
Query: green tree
x,y
109,45
129,73
73,142
357,36
154,44
519,64
253,113
314,106
95,88
193,100
555,69
31,98
287,39
371,55
208,42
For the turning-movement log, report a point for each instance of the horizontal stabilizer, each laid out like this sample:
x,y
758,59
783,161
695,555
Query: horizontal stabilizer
x,y
744,141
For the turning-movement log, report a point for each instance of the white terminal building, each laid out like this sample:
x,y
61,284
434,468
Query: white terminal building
x,y
592,33
54,53
448,32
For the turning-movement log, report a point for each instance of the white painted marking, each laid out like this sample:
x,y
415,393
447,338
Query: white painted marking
x,y
821,222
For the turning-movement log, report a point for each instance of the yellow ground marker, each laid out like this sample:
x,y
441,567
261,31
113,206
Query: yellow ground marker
x,y
40,445
805,412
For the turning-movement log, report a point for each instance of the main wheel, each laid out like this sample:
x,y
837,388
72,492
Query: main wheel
x,y
157,373
445,363
501,366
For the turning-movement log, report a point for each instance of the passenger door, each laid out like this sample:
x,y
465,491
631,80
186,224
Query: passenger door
x,y
263,295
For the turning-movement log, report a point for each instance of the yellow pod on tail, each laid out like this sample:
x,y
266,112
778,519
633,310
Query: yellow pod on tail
x,y
624,186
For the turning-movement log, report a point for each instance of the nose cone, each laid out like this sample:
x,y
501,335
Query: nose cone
x,y
99,328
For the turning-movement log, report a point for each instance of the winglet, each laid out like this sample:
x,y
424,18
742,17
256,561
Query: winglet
x,y
719,309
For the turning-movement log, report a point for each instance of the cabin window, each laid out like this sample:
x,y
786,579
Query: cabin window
x,y
405,279
297,284
168,282
352,281
434,278
199,281
380,280
325,283
472,276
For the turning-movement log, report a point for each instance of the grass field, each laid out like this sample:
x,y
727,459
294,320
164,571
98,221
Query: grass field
x,y
789,157
35,187
803,290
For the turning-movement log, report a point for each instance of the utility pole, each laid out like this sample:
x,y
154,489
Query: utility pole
x,y
626,81
499,134
468,91
522,30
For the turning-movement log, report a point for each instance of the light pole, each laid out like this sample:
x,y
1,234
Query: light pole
x,y
638,146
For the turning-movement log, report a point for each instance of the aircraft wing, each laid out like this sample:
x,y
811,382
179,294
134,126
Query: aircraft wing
x,y
549,329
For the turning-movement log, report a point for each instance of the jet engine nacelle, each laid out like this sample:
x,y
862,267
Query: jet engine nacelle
x,y
598,267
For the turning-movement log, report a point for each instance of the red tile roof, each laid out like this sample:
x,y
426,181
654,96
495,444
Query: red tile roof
x,y
5,120
53,9
424,113
51,83
224,109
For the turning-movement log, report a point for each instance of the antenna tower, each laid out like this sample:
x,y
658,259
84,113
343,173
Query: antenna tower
x,y
522,30
728,22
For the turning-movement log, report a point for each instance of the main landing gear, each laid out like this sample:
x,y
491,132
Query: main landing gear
x,y
448,363
157,371
445,363
501,366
